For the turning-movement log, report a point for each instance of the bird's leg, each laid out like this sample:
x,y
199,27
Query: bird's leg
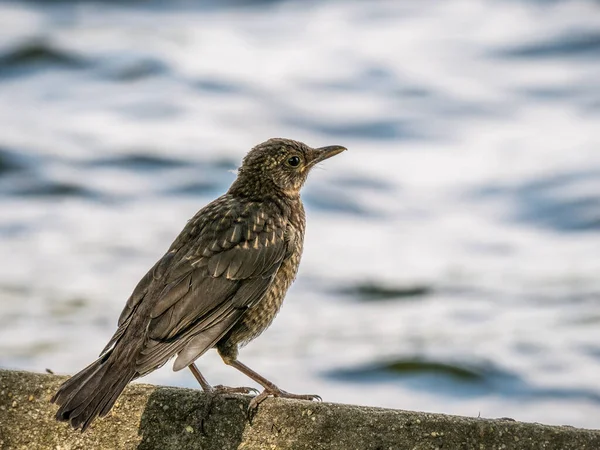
x,y
211,392
270,388
200,378
220,389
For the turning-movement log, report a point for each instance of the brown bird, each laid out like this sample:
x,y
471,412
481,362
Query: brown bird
x,y
220,285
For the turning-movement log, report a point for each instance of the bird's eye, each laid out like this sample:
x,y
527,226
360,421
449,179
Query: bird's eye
x,y
294,161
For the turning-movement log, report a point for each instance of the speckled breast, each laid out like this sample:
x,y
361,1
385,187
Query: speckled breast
x,y
260,316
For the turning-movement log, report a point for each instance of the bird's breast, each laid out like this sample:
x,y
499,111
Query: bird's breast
x,y
259,317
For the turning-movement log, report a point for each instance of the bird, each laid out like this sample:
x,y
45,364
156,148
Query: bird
x,y
219,285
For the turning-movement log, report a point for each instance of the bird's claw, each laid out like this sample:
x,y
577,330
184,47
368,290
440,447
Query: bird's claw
x,y
226,392
220,389
278,393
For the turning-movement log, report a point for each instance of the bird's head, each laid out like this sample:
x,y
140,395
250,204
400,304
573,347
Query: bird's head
x,y
280,164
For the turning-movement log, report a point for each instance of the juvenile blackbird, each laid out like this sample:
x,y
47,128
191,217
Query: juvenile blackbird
x,y
219,285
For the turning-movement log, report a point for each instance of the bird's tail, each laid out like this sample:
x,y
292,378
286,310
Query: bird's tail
x,y
92,392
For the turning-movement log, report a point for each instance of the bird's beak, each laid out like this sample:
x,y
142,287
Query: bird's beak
x,y
323,153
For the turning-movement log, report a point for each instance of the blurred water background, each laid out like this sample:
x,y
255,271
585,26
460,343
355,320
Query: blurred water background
x,y
452,256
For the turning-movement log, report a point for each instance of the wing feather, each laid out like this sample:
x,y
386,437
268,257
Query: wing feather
x,y
223,262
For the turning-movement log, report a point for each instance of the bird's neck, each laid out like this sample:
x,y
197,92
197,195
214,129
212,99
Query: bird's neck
x,y
257,188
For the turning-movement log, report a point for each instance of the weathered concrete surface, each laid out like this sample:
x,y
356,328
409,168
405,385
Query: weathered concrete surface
x,y
151,417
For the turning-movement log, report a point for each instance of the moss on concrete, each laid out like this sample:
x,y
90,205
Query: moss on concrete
x,y
151,417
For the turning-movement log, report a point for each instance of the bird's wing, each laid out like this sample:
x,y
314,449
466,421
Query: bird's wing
x,y
221,264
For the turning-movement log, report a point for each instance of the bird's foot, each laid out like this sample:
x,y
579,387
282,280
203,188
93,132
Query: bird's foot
x,y
227,393
220,389
276,392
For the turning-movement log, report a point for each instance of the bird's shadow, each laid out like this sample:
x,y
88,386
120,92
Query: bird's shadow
x,y
191,419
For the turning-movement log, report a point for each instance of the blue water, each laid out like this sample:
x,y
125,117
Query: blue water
x,y
452,254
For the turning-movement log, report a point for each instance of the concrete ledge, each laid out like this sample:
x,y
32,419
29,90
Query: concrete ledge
x,y
153,417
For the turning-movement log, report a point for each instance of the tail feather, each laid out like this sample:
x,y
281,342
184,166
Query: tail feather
x,y
76,383
91,392
111,399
